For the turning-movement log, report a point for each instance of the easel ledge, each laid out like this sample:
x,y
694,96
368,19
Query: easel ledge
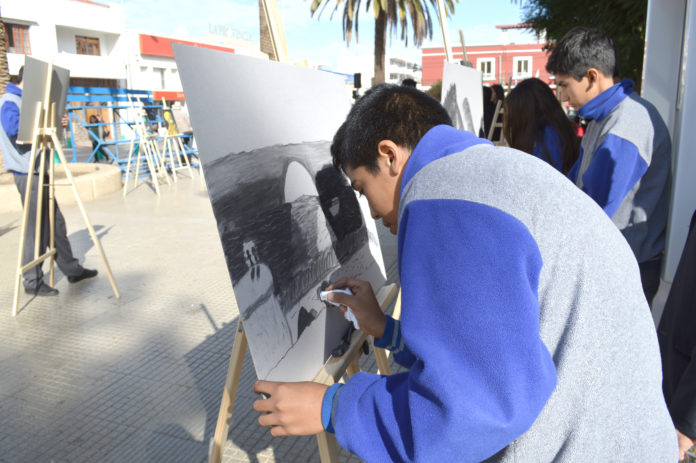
x,y
332,372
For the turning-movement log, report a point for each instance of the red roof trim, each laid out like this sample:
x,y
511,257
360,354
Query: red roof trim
x,y
169,96
90,2
161,46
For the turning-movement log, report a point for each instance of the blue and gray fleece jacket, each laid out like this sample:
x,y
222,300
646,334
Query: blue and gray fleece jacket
x,y
508,312
15,157
625,166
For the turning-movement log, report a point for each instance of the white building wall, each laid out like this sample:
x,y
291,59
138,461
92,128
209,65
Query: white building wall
x,y
53,27
144,71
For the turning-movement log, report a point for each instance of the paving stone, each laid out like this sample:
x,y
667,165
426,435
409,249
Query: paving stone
x,y
87,377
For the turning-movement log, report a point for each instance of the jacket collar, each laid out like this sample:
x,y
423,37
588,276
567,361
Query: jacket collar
x,y
438,142
12,88
601,105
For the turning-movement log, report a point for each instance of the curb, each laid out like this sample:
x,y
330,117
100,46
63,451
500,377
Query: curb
x,y
91,180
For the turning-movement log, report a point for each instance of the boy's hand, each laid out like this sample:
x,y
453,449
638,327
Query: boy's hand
x,y
363,303
293,409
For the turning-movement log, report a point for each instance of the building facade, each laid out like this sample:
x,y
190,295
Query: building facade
x,y
397,68
90,39
499,64
81,35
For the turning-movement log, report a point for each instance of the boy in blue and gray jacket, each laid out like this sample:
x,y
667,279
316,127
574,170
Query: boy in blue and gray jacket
x,y
624,162
16,160
523,322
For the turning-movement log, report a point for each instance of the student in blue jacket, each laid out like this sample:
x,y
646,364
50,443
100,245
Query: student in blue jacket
x,y
16,160
523,323
624,162
534,122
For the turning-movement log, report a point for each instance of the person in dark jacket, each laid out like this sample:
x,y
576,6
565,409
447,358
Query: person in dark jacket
x,y
677,337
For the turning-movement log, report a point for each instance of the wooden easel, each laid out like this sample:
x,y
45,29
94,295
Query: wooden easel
x,y
496,124
45,141
442,16
174,147
332,372
147,150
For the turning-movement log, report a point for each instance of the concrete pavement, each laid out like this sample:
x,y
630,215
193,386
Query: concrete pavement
x,y
85,377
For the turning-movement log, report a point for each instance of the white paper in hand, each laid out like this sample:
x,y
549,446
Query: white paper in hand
x,y
349,315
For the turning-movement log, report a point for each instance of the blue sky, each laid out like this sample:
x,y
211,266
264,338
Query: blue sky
x,y
319,40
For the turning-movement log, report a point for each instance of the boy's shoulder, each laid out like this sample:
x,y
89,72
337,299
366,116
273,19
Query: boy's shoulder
x,y
631,119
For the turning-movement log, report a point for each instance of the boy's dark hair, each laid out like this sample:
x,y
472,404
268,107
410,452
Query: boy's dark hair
x,y
386,112
20,75
580,49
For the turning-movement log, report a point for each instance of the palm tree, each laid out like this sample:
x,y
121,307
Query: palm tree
x,y
392,13
4,69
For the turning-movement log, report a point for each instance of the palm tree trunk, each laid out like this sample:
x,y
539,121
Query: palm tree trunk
x,y
4,69
380,45
4,72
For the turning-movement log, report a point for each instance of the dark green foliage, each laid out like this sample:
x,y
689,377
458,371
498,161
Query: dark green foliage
x,y
623,20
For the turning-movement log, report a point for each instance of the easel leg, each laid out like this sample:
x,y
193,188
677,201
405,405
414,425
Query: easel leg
x,y
139,163
354,366
128,166
39,201
144,145
228,395
382,362
25,213
328,447
159,159
183,153
95,240
52,217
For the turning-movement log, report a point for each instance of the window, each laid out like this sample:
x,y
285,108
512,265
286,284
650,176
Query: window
x,y
487,67
17,38
87,45
521,67
159,75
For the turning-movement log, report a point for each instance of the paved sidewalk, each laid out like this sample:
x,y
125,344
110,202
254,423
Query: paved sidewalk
x,y
85,377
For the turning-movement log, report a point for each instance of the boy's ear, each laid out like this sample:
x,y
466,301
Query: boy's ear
x,y
592,77
392,155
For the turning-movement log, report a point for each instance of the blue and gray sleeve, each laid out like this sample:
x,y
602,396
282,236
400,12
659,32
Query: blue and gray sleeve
x,y
615,168
394,342
470,317
9,117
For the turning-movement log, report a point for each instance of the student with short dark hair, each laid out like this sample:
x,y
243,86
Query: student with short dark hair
x,y
624,162
534,122
523,323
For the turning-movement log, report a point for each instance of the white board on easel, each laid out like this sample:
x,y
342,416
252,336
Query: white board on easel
x,y
462,96
289,222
